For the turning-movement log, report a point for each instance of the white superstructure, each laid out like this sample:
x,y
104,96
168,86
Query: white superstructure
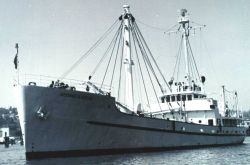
x,y
187,100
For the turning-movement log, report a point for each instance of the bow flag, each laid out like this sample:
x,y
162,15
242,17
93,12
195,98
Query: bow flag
x,y
16,57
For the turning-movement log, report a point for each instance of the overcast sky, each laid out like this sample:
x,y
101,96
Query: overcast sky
x,y
53,34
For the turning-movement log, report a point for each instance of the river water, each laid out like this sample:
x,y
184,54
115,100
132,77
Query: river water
x,y
239,154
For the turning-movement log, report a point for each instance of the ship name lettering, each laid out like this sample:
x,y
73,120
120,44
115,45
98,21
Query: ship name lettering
x,y
76,96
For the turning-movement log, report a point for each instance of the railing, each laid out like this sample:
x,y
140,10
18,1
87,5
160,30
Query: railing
x,y
46,81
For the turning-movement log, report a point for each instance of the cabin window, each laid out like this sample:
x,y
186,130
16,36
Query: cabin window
x,y
185,88
183,97
218,122
195,96
215,102
189,97
172,98
212,106
210,122
199,121
162,99
178,97
168,98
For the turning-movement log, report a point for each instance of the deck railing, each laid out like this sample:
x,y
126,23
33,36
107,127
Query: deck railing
x,y
46,81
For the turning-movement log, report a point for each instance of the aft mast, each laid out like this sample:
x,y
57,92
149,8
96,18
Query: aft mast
x,y
184,22
128,63
223,100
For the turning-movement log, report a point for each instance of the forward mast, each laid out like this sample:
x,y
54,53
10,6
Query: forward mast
x,y
128,62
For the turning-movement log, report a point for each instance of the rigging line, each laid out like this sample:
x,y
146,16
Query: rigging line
x,y
120,74
198,24
176,62
153,58
152,27
179,60
143,55
178,57
117,52
210,59
137,57
169,30
138,83
130,26
148,60
192,71
137,74
190,65
89,51
106,52
196,75
178,69
232,92
193,58
151,81
115,41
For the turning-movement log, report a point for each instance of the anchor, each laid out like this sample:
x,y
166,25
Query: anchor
x,y
42,114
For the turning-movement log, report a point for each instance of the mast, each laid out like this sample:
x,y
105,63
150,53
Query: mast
x,y
184,21
223,100
16,62
127,18
236,104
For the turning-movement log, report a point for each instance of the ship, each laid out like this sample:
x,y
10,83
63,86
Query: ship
x,y
60,119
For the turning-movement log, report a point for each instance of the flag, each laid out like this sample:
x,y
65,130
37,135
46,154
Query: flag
x,y
15,61
16,58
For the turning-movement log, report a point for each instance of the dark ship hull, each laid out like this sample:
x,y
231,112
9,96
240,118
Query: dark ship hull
x,y
58,122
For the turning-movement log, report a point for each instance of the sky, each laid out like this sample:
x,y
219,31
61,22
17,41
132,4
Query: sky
x,y
53,34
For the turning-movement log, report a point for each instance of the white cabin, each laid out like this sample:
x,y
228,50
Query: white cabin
x,y
187,106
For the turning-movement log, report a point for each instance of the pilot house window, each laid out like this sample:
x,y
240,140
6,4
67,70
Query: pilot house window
x,y
178,97
168,98
172,98
189,97
210,122
183,97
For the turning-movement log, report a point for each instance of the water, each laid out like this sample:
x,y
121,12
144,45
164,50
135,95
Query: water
x,y
239,154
